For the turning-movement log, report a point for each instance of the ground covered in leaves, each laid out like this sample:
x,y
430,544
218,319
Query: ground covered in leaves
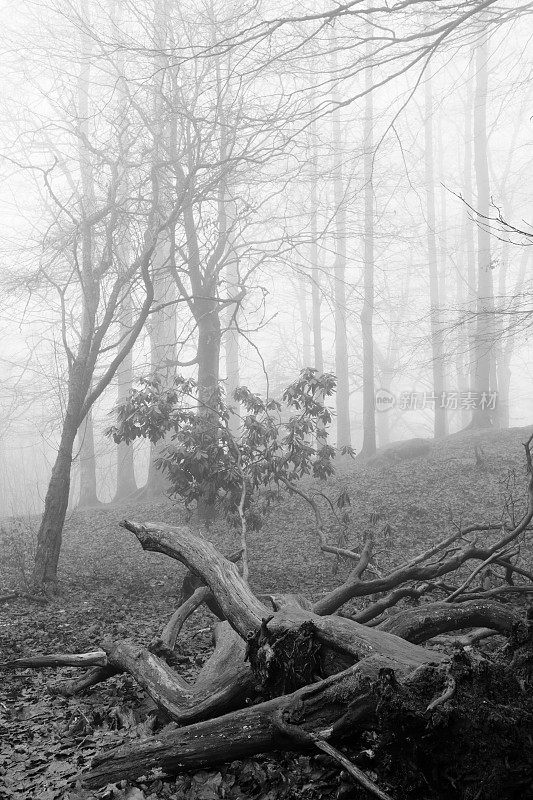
x,y
110,587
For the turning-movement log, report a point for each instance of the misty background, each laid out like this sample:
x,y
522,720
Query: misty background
x,y
357,201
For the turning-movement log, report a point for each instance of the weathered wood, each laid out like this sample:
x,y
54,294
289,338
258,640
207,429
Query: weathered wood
x,y
222,684
173,627
342,637
347,638
92,658
433,619
320,709
73,686
238,603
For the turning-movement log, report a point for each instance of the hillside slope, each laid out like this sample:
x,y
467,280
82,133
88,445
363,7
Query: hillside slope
x,y
109,586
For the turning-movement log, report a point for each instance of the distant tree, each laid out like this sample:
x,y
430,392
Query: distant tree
x,y
368,448
91,217
125,468
318,354
485,376
437,343
88,495
339,273
468,226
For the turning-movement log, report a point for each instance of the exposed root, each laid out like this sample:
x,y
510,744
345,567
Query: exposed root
x,y
75,686
287,661
173,627
302,738
354,771
448,692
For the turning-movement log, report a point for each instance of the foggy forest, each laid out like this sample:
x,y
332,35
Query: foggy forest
x,y
266,399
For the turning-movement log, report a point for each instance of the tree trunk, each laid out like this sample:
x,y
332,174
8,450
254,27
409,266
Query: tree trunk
x,y
369,412
387,370
81,367
462,343
162,327
506,343
93,327
304,323
49,536
468,233
209,340
339,288
208,353
383,417
231,347
437,344
318,357
163,335
87,460
484,370
126,484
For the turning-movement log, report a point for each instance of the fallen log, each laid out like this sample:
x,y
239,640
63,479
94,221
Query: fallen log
x,y
90,659
426,720
315,677
317,708
222,684
344,641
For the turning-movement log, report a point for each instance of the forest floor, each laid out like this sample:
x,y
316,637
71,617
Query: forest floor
x,y
109,586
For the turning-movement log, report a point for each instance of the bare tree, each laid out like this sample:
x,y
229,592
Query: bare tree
x,y
339,277
316,297
96,280
484,342
437,344
126,483
369,414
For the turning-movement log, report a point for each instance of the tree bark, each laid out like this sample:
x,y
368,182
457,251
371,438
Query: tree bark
x,y
304,323
87,463
468,232
484,345
49,536
126,483
209,342
81,367
232,347
250,731
318,356
437,343
369,392
245,613
344,437
506,346
163,336
433,619
222,684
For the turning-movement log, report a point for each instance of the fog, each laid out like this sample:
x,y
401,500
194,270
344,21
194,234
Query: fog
x,y
235,192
